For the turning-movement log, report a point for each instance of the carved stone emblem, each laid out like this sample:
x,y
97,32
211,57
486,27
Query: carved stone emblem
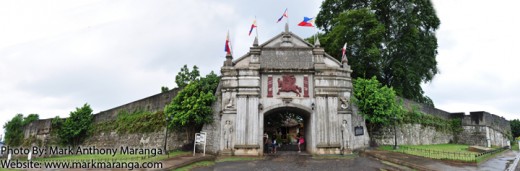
x,y
344,103
288,84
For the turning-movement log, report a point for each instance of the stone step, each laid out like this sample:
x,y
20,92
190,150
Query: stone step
x,y
290,147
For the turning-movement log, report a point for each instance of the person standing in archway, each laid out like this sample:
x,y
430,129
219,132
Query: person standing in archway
x,y
301,140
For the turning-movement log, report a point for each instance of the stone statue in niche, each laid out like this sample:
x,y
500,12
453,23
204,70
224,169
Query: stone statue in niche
x,y
230,104
344,136
228,131
344,103
288,84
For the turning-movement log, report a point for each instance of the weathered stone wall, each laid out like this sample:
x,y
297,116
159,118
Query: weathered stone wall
x,y
412,134
138,140
360,141
473,135
41,128
409,104
153,103
484,129
37,128
212,130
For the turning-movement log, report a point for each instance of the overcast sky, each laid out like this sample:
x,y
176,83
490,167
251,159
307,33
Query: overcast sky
x,y
57,55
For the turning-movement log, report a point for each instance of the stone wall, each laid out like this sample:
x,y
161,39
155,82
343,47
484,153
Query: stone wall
x,y
37,128
409,104
484,129
153,103
41,128
412,134
138,140
212,130
479,128
473,135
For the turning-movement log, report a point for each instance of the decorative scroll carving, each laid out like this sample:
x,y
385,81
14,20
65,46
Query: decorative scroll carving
x,y
344,103
270,86
288,84
305,86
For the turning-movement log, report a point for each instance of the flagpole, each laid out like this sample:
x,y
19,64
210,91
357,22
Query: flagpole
x,y
256,27
230,47
287,22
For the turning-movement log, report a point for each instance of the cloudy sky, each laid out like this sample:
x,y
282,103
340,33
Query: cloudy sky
x,y
58,55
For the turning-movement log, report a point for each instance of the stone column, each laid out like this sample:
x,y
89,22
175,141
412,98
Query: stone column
x,y
332,112
241,120
252,121
321,125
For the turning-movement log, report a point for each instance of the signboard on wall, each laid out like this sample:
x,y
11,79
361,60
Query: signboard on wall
x,y
358,130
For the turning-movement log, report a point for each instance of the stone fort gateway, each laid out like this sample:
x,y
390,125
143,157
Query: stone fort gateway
x,y
287,75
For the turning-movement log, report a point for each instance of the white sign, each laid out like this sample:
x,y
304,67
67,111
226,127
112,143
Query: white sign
x,y
200,138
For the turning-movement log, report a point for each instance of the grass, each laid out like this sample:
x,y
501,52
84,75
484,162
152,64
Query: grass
x,y
236,158
195,165
347,156
457,152
460,148
514,146
4,169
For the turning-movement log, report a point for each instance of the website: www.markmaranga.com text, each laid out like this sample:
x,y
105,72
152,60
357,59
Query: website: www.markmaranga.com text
x,y
92,164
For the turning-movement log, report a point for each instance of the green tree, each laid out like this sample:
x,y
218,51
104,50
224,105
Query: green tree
x,y
185,76
164,89
191,108
74,129
377,103
406,52
14,128
14,131
515,127
30,118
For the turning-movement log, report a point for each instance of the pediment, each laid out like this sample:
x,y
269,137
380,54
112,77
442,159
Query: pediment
x,y
286,40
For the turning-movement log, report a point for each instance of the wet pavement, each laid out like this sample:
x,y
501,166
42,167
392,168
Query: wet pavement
x,y
499,162
304,161
367,160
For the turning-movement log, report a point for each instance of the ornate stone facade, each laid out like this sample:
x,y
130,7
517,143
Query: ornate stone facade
x,y
287,74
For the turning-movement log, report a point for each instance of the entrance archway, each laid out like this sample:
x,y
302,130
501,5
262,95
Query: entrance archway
x,y
284,123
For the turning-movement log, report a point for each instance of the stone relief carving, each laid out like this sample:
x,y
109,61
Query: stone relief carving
x,y
144,142
344,135
228,130
344,103
288,84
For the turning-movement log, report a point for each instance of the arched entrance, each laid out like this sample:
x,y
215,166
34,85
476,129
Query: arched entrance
x,y
285,123
284,76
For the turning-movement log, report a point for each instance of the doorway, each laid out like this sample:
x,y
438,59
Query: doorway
x,y
285,125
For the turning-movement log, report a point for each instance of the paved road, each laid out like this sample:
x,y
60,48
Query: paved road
x,y
500,162
300,162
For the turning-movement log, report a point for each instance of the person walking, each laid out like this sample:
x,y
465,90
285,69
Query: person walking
x,y
274,144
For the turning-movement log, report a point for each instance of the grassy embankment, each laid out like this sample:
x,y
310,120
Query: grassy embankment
x,y
457,152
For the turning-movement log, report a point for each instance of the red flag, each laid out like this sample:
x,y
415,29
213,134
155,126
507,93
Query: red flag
x,y
227,48
307,22
343,50
283,15
252,27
